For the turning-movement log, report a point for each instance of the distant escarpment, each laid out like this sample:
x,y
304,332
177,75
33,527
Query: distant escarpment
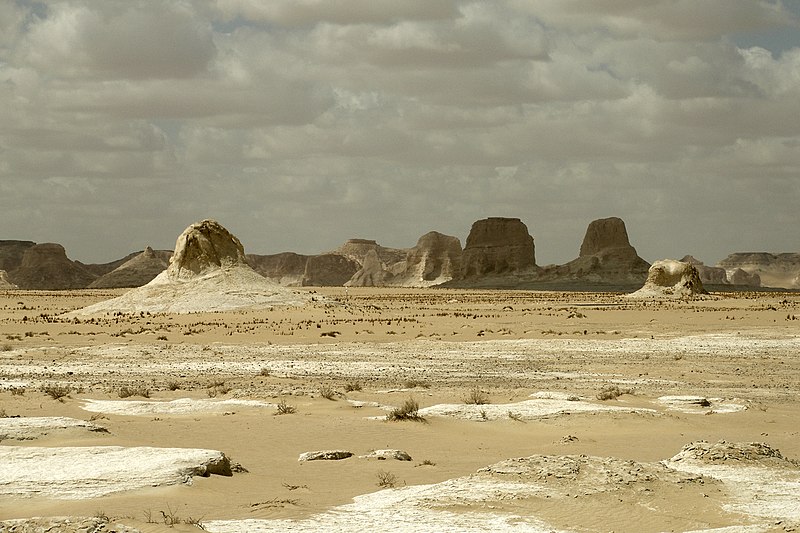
x,y
772,270
47,267
296,270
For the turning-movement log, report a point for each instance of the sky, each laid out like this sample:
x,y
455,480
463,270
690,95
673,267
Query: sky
x,y
298,124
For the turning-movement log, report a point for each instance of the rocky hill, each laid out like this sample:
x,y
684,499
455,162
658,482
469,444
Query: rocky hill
x,y
498,246
606,257
136,271
773,270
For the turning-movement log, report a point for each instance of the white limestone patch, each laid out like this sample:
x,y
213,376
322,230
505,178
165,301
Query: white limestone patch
x,y
11,384
524,410
383,455
33,427
413,509
181,406
762,483
74,473
701,405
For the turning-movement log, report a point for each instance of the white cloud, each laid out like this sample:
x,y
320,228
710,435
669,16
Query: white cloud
x,y
303,123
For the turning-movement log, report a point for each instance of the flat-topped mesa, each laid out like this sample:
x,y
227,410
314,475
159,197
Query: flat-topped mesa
x,y
671,279
46,267
603,234
203,247
498,245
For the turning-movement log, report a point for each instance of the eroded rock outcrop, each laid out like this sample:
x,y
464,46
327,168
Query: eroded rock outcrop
x,y
5,282
497,246
47,267
137,271
671,279
773,270
606,256
435,259
708,274
328,270
286,268
207,272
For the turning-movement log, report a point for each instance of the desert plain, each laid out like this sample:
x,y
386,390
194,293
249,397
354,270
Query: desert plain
x,y
538,411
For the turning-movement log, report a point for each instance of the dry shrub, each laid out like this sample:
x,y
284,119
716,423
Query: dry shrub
x,y
476,397
408,411
611,392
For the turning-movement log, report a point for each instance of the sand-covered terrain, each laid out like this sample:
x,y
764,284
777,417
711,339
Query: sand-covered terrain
x,y
524,411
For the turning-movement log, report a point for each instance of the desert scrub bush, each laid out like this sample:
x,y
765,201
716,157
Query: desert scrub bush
x,y
611,392
386,479
55,391
476,397
408,411
352,386
218,390
284,408
413,383
327,392
173,384
17,391
265,371
127,392
6,348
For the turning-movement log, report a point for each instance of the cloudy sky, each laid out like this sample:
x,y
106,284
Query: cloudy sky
x,y
301,123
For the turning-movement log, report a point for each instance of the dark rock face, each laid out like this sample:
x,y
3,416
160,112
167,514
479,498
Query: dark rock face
x,y
773,270
497,246
287,268
328,270
202,247
11,253
605,234
46,267
436,257
137,271
742,277
606,256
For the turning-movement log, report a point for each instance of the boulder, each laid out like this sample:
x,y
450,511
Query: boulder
x,y
383,455
325,455
497,246
671,279
207,272
137,271
47,267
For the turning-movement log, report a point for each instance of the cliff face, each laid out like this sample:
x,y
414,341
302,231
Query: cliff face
x,y
497,246
773,270
46,267
606,257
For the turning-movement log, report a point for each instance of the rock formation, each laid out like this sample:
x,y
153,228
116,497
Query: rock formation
x,y
708,275
5,282
497,246
671,279
207,272
371,273
328,270
773,270
46,267
135,272
606,257
357,250
435,259
11,253
295,270
747,279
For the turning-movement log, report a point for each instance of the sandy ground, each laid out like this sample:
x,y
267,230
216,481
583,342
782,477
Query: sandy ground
x,y
543,454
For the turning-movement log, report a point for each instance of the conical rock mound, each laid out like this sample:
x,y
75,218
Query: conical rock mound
x,y
207,272
671,279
